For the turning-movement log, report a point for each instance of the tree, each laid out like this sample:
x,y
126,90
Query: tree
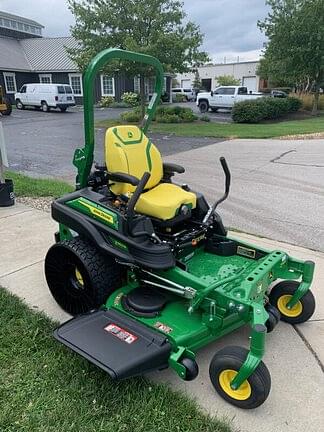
x,y
196,84
155,27
227,80
294,53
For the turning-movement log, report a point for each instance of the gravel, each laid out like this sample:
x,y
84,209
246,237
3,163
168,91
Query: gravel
x,y
41,203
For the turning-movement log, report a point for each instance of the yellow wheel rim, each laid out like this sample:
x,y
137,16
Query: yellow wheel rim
x,y
78,276
226,377
293,312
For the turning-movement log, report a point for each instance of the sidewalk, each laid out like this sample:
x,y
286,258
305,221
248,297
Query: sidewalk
x,y
295,357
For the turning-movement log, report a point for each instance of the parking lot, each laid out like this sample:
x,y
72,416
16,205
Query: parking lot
x,y
277,185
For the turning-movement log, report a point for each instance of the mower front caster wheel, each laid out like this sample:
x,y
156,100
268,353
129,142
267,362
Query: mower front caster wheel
x,y
79,277
274,317
223,369
303,309
192,369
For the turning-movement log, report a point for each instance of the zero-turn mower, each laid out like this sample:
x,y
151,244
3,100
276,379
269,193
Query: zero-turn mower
x,y
5,105
149,272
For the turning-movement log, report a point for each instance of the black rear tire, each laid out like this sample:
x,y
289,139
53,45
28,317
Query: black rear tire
x,y
253,392
203,106
19,104
79,277
301,312
44,106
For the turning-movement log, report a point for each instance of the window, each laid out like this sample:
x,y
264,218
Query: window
x,y
13,24
149,84
229,91
76,84
26,27
242,90
60,90
6,22
45,78
68,90
137,84
107,85
10,82
20,26
23,89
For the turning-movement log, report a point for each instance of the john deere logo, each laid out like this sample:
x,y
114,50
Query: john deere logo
x,y
130,134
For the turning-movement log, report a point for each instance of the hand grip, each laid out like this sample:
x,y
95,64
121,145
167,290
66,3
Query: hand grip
x,y
226,172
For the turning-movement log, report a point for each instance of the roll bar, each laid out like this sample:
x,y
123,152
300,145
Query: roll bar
x,y
83,157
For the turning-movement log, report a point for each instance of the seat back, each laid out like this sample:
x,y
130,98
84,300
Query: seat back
x,y
128,150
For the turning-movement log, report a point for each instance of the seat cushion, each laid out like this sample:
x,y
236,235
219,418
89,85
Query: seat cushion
x,y
164,201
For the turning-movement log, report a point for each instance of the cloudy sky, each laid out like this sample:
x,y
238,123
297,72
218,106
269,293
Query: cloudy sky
x,y
229,25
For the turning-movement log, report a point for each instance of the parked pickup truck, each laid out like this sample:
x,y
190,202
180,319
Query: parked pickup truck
x,y
224,97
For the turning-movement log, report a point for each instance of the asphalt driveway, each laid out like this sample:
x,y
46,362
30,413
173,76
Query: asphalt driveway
x,y
43,143
277,185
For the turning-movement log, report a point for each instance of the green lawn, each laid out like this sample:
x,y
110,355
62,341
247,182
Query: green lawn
x,y
37,187
234,130
46,388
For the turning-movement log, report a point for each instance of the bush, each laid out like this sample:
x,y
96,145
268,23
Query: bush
x,y
205,118
119,105
106,101
179,97
267,108
130,98
174,114
131,116
168,118
249,111
295,104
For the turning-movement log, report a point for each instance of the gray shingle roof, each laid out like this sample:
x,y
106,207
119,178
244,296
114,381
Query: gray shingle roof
x,y
37,54
19,18
49,54
12,55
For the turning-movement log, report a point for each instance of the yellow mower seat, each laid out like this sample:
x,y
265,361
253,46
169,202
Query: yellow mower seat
x,y
129,151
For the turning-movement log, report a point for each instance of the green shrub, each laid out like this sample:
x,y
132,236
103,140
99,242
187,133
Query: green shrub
x,y
295,104
249,111
119,105
179,97
131,116
266,108
205,118
274,108
132,99
177,113
106,101
168,118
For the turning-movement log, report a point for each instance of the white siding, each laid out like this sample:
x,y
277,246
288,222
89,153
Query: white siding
x,y
238,70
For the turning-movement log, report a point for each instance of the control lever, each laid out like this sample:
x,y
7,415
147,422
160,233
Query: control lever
x,y
227,189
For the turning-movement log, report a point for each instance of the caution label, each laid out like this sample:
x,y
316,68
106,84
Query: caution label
x,y
121,333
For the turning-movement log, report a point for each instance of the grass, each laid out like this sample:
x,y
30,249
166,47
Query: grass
x,y
46,388
37,187
234,130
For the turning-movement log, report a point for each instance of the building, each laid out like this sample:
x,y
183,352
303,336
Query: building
x,y
28,57
246,72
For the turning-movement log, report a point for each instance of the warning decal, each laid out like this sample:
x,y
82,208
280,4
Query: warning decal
x,y
121,333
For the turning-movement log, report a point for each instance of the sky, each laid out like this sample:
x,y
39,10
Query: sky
x,y
230,26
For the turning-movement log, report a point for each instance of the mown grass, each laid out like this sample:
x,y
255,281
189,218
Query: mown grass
x,y
46,388
37,187
233,130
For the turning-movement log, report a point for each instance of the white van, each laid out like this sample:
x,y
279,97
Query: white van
x,y
45,96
